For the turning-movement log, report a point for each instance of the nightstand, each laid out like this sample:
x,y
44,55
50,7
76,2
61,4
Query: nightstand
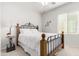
x,y
10,45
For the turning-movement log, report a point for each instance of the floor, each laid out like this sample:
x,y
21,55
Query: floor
x,y
67,51
18,52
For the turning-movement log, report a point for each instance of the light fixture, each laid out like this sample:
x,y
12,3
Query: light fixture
x,y
44,3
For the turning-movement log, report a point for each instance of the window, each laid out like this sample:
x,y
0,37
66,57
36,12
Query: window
x,y
71,23
62,20
68,22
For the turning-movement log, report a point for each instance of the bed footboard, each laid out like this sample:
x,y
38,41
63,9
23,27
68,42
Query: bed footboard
x,y
51,45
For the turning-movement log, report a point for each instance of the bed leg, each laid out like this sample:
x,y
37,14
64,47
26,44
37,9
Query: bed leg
x,y
43,46
62,40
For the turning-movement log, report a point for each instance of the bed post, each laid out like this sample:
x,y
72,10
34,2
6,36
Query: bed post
x,y
62,39
43,46
17,33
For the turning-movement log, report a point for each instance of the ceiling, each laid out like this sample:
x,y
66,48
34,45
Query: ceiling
x,y
37,6
51,5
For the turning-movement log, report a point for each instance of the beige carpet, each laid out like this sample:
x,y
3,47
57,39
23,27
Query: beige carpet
x,y
18,52
67,51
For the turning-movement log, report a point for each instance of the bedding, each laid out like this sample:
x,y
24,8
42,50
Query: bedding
x,y
31,38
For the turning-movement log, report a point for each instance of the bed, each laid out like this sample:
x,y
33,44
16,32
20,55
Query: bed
x,y
37,43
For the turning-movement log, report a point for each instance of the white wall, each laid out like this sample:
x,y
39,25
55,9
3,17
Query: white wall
x,y
18,13
72,40
52,26
0,23
53,14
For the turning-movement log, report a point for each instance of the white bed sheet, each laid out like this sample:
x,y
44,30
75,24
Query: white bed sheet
x,y
32,41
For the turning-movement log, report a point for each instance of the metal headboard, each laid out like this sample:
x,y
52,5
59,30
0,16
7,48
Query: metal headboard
x,y
29,26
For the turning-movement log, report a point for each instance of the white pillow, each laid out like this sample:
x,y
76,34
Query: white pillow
x,y
33,30
23,31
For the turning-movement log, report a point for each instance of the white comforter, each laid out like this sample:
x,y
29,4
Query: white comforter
x,y
32,40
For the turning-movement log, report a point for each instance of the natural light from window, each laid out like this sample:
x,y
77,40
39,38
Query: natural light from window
x,y
68,22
